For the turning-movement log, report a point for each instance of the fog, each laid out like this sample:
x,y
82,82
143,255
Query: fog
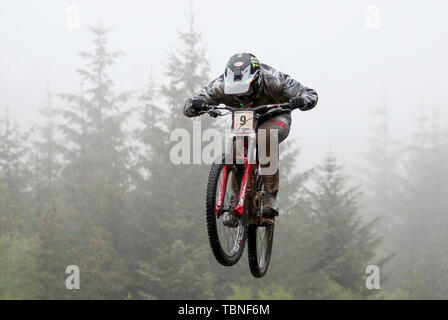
x,y
329,46
360,56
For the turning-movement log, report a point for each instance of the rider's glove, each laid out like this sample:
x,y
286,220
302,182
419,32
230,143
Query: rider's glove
x,y
198,105
298,103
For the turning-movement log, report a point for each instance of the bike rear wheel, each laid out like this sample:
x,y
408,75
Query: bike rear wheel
x,y
227,240
260,239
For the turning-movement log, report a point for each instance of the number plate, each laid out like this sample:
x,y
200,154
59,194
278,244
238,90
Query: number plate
x,y
243,122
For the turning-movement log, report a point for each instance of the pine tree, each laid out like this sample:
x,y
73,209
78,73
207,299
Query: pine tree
x,y
339,244
103,271
419,269
176,193
96,174
144,222
55,251
381,178
44,160
13,176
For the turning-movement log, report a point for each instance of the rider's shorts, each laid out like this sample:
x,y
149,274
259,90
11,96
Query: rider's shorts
x,y
281,122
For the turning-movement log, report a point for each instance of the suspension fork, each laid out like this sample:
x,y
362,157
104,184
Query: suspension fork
x,y
222,190
239,209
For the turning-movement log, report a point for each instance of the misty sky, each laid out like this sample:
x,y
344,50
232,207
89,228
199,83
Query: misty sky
x,y
332,46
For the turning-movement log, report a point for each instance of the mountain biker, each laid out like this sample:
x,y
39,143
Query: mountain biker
x,y
247,83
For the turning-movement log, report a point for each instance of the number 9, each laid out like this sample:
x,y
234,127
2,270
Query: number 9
x,y
243,120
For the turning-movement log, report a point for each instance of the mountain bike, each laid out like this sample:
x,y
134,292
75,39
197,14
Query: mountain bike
x,y
235,193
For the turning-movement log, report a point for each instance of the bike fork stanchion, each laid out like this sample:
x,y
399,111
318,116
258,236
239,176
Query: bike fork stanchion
x,y
222,189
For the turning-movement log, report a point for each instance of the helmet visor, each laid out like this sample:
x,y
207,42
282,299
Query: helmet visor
x,y
238,85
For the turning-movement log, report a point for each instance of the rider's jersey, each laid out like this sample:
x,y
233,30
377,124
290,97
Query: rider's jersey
x,y
277,88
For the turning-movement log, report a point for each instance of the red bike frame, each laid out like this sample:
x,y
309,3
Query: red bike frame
x,y
239,209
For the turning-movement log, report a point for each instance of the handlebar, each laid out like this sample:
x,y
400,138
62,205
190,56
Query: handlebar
x,y
214,110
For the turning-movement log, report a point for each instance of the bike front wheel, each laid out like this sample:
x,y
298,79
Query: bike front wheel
x,y
226,232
